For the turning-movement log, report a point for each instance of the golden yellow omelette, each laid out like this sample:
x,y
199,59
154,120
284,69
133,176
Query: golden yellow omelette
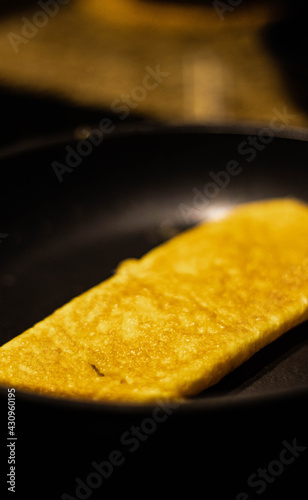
x,y
179,319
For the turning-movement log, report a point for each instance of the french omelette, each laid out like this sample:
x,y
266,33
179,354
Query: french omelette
x,y
179,319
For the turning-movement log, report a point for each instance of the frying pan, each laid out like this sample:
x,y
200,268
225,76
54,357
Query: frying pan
x,y
63,233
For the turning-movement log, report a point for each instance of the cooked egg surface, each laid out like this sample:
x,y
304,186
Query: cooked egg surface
x,y
179,319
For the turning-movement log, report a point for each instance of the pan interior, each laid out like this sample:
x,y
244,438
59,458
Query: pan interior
x,y
67,233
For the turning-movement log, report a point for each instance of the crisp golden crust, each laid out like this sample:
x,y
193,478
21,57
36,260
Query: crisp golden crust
x,y
178,320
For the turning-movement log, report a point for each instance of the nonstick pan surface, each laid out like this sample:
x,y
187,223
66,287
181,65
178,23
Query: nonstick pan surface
x,y
65,228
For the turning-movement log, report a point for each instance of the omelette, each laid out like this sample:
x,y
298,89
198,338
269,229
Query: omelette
x,y
176,321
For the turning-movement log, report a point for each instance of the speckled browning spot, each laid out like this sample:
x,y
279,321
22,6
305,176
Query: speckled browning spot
x,y
97,371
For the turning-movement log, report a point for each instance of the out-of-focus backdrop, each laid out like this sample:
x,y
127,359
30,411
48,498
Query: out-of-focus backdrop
x,y
69,63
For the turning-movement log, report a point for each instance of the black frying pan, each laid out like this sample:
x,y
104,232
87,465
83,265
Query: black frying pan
x,y
135,190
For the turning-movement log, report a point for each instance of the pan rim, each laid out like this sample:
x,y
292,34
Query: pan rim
x,y
38,143
208,404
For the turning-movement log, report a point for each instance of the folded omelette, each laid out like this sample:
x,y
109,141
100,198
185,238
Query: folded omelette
x,y
179,319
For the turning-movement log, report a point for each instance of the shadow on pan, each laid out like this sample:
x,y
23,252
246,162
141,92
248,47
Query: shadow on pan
x,y
70,212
